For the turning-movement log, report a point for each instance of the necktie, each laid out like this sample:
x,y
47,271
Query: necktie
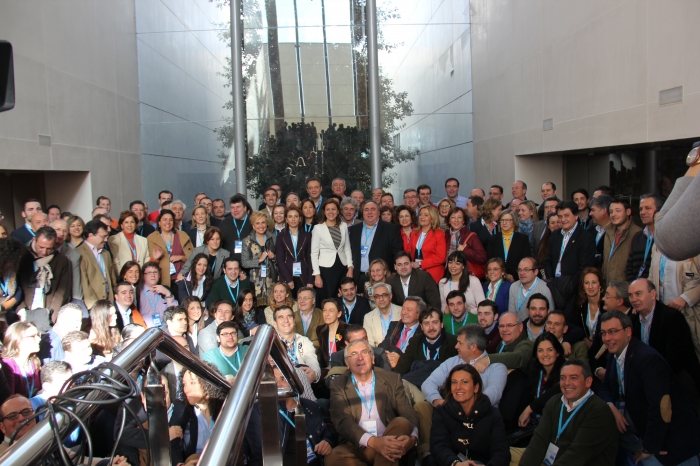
x,y
404,336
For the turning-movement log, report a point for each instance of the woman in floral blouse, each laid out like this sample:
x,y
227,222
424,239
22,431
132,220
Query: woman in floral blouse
x,y
258,256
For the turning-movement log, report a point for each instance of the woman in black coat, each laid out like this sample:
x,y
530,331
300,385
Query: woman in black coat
x,y
288,255
508,244
466,424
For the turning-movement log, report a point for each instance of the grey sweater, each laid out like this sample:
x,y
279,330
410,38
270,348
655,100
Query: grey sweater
x,y
678,223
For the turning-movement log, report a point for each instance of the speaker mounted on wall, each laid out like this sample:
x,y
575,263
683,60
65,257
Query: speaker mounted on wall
x,y
7,77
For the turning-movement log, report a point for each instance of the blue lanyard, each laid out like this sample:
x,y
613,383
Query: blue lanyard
x,y
495,289
620,376
295,240
133,249
561,428
213,264
368,406
348,310
662,268
503,345
650,241
4,286
293,356
320,203
228,287
308,228
238,361
425,353
235,225
287,418
31,232
505,249
367,233
522,300
419,245
150,301
591,325
168,245
30,388
452,320
539,385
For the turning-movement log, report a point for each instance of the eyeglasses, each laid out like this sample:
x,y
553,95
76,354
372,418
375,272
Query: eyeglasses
x,y
526,270
506,220
227,334
152,272
381,296
306,298
612,332
355,354
505,326
607,296
493,269
410,197
26,412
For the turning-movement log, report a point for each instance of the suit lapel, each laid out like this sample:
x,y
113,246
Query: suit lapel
x,y
572,240
353,400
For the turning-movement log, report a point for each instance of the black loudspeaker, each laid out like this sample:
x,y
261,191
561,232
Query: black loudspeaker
x,y
7,77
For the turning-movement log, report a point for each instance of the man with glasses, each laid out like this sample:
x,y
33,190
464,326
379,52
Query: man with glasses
x,y
370,412
208,338
46,278
528,284
571,249
229,355
652,414
515,350
14,411
97,274
155,298
377,322
616,297
410,199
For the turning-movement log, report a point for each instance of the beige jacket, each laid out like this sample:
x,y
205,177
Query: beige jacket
x,y
687,278
373,324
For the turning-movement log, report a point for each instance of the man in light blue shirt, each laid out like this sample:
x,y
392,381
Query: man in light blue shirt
x,y
471,341
452,191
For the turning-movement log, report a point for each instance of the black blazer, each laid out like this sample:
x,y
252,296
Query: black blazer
x,y
183,416
192,233
649,384
670,336
579,254
421,284
481,433
323,340
519,249
229,235
393,335
145,229
386,243
284,252
358,313
595,337
481,231
414,352
185,288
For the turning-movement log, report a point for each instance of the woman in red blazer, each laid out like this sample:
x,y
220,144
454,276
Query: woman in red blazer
x,y
458,237
428,244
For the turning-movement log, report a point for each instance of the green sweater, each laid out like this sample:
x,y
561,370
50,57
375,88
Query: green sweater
x,y
226,365
515,355
590,439
451,326
220,290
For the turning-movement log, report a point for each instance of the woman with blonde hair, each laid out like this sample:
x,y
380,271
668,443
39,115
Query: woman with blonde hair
x,y
428,244
487,223
20,363
444,207
508,244
527,214
104,332
76,228
200,223
258,256
281,295
378,273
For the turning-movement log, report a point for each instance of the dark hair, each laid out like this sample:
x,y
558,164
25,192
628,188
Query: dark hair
x,y
270,188
580,191
602,202
624,319
210,232
607,190
126,214
401,208
401,254
47,232
446,390
301,208
151,264
488,303
477,201
498,186
453,211
579,363
92,227
208,277
658,200
539,296
544,241
552,199
345,281
171,311
230,259
313,178
322,211
460,258
225,325
28,200
241,297
554,186
424,186
133,203
52,368
335,302
428,312
625,203
102,198
11,252
386,208
53,206
352,328
238,198
127,266
455,294
281,308
164,212
582,298
165,191
451,179
571,205
535,368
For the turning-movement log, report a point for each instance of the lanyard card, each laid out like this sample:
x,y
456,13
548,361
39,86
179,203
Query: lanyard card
x,y
238,247
369,426
172,269
310,454
551,454
156,320
364,250
296,269
263,271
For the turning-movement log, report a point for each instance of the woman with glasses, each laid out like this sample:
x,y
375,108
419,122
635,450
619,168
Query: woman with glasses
x,y
444,207
20,365
590,301
497,288
508,244
428,244
170,247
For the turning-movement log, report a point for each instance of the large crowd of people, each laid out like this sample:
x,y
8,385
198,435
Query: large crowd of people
x,y
481,329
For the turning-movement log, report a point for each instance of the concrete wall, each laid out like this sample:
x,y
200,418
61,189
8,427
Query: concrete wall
x,y
595,67
180,56
434,66
76,81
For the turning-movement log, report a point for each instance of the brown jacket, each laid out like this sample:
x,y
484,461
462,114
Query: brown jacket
x,y
91,277
61,284
346,407
316,321
155,240
614,266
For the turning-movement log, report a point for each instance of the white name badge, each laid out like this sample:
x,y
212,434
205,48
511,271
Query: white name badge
x,y
263,271
364,250
156,320
296,269
172,269
369,426
551,454
238,247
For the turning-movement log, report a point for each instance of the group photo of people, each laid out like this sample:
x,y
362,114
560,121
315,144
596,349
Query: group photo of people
x,y
440,329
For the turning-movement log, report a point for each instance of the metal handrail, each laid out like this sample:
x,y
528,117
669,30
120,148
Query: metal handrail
x,y
35,443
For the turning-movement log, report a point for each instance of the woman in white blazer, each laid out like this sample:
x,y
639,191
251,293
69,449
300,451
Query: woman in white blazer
x,y
331,258
127,246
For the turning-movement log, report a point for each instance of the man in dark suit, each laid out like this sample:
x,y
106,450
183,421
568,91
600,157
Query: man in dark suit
x,y
408,281
664,329
600,214
371,413
402,331
372,239
233,230
651,411
354,306
571,249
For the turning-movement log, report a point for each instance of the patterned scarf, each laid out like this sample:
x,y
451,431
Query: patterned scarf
x,y
43,274
526,227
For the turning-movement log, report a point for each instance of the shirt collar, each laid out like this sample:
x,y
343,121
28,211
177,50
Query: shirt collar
x,y
621,357
473,361
93,248
576,403
648,318
570,232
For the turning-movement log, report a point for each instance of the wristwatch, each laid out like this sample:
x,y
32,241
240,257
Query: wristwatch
x,y
693,157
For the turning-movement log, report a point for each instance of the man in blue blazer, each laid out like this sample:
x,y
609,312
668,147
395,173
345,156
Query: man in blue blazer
x,y
652,413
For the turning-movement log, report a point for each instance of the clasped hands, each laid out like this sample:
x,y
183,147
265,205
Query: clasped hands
x,y
392,447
